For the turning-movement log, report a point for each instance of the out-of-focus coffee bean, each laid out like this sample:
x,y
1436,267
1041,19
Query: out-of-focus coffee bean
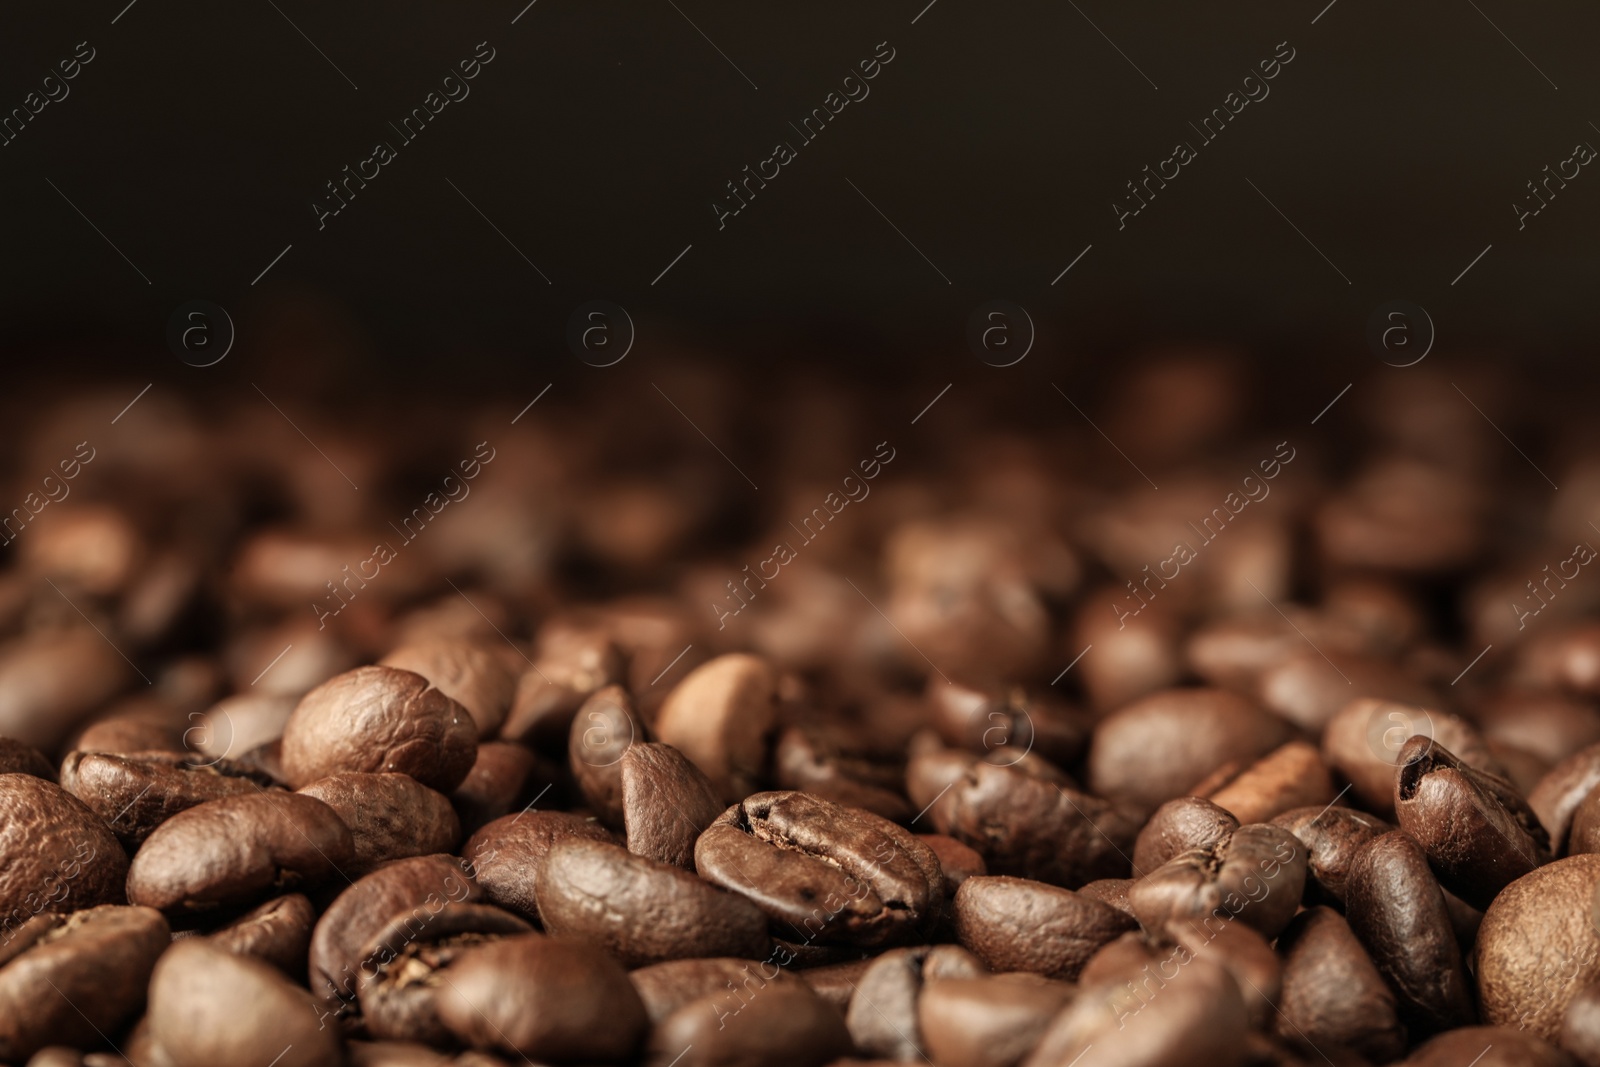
x,y
1364,739
1480,835
985,722
1538,946
1405,516
467,673
1113,891
73,979
1580,1027
572,660
1014,924
235,850
1552,726
809,760
1289,777
278,932
1309,690
667,802
19,758
1244,954
957,861
1523,768
137,794
60,855
236,724
376,719
1564,658
835,875
640,910
506,855
1397,910
601,732
1561,790
666,987
719,716
1159,746
1131,657
543,997
784,1026
289,659
137,724
1332,993
210,1007
991,1021
92,547
1255,874
50,681
1177,826
1585,834
1006,817
504,777
390,816
1332,836
1487,1046
883,1018
833,982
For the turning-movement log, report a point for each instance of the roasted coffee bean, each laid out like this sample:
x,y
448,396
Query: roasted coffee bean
x,y
719,716
883,1019
1255,874
605,726
1332,993
135,794
239,723
1309,689
1522,768
1487,1046
278,932
1580,1027
1136,657
1364,740
75,978
1196,1018
375,719
407,962
666,987
783,1026
416,889
504,778
992,1021
1585,833
18,758
391,816
236,850
1550,725
1158,747
1561,790
1397,910
1177,826
1332,836
1014,924
571,663
667,802
543,997
212,1008
640,910
1289,777
50,681
822,872
984,721
1036,829
59,856
465,672
1538,946
1244,954
505,856
812,761
957,861
1480,835
1113,891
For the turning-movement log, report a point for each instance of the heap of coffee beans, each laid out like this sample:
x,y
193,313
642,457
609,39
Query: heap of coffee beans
x,y
959,741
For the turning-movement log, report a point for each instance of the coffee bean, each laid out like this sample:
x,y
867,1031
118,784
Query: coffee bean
x,y
833,982
51,681
375,719
1549,725
1289,777
822,872
1255,874
506,855
278,932
1556,797
987,721
1246,955
1113,891
1397,910
237,724
18,758
666,987
719,716
1580,1027
1364,740
59,855
543,997
572,661
1177,826
1014,924
1332,993
812,761
992,1021
1332,836
1487,1046
667,802
390,816
1538,946
883,1014
467,673
784,1026
1309,689
504,778
235,850
74,979
1156,748
640,910
1480,835
212,1008
604,728
135,794
1137,656
957,861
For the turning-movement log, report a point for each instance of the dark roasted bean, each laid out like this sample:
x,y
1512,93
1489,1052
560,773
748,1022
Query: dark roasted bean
x,y
1255,874
1014,924
1332,993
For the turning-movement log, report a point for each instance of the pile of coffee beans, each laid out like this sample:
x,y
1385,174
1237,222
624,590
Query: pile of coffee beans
x,y
965,740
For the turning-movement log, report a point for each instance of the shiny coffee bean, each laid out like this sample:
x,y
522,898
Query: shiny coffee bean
x,y
505,856
505,777
1364,740
1487,1046
391,816
1332,993
666,987
667,802
1255,874
883,1017
1580,1027
467,673
957,861
1289,777
992,1021
1332,836
814,761
278,932
1177,826
1557,795
1014,924
604,728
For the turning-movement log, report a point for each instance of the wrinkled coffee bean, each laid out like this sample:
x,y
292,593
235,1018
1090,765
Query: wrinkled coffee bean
x,y
1332,993
1332,836
506,855
719,716
1255,874
135,794
1178,826
390,816
376,719
667,802
1014,924
1538,946
822,872
59,855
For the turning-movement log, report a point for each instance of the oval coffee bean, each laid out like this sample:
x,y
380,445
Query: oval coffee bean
x,y
1363,743
667,802
604,728
993,1021
833,982
505,856
957,861
813,760
135,794
882,1017
730,983
543,998
719,716
505,776
60,856
1332,993
1014,924
391,816
1538,946
212,1008
1480,835
376,719
785,1026
235,850
1255,874
1332,836
278,932
19,758
467,673
1176,827
835,875
640,910
1397,910
73,980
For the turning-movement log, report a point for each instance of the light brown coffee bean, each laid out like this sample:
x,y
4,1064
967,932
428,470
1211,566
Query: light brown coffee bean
x,y
1580,1027
1538,946
784,1026
135,794
60,856
883,1019
666,987
1289,777
604,728
1255,874
1557,795
719,716
1364,739
992,1021
1487,1046
18,758
1177,826
51,681
504,778
278,932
